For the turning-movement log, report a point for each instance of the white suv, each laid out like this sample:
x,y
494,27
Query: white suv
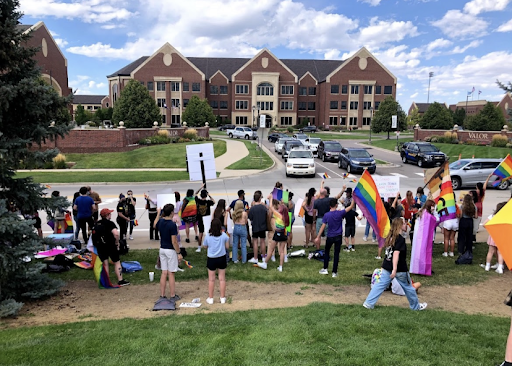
x,y
300,162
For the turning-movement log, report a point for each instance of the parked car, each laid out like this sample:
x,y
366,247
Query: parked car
x,y
242,132
300,162
300,136
356,160
329,150
226,127
468,172
274,136
308,129
288,145
422,153
312,143
278,145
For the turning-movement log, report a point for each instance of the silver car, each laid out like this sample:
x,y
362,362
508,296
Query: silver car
x,y
313,142
278,145
468,172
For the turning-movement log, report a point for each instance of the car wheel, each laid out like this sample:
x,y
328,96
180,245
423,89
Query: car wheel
x,y
349,169
323,158
420,163
503,185
404,159
456,183
339,164
247,137
287,175
230,135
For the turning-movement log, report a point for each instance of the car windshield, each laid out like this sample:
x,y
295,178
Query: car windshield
x,y
359,154
459,164
428,148
301,154
283,139
293,143
301,136
333,147
314,141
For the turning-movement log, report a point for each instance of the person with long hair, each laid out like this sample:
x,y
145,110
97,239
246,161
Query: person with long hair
x,y
493,249
189,215
308,205
217,243
468,213
450,227
258,216
240,220
394,265
291,210
423,239
408,204
220,212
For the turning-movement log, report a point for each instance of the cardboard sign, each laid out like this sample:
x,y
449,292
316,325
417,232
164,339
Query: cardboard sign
x,y
387,185
197,154
163,199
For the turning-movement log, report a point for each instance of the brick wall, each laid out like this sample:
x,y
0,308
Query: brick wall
x,y
484,137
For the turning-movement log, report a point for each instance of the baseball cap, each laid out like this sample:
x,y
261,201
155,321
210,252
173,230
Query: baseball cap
x,y
241,192
121,196
105,212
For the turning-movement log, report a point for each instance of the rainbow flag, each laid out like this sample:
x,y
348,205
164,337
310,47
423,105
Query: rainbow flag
x,y
325,176
368,199
100,273
422,245
434,179
446,206
190,209
280,195
503,171
345,175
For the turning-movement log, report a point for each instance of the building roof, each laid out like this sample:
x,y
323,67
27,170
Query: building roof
x,y
320,69
210,65
88,99
23,27
422,107
127,70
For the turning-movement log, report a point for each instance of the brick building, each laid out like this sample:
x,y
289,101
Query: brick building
x,y
421,107
91,103
474,107
286,91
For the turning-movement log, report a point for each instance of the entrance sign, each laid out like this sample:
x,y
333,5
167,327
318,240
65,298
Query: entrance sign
x,y
263,118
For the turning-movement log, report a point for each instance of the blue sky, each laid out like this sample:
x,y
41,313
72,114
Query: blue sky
x,y
465,44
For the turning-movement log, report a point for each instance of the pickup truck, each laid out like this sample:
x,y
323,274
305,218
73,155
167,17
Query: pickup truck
x,y
242,132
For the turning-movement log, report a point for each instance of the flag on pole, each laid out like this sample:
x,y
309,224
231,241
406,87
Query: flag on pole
x,y
325,176
503,171
165,105
434,179
280,195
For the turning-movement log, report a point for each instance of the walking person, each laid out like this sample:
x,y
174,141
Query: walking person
x,y
130,210
258,216
308,206
240,220
217,242
84,206
151,206
394,265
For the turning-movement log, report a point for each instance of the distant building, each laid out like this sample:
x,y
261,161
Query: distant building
x,y
91,103
326,92
421,107
473,107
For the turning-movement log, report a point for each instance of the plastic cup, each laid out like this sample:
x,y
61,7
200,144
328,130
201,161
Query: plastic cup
x,y
151,276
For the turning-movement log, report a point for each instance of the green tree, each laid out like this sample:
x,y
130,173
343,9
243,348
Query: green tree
x,y
459,116
413,119
382,118
135,107
198,112
437,117
28,106
80,115
490,118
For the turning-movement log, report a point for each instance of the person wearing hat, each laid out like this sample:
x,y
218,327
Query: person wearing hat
x,y
122,217
203,202
106,240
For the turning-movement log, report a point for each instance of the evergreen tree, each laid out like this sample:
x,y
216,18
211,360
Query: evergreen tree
x,y
28,106
135,107
437,117
413,119
382,122
507,89
459,116
490,118
198,112
80,115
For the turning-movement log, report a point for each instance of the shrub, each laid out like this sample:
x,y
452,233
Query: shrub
x,y
155,140
509,145
59,161
428,138
190,134
434,138
163,133
290,129
499,141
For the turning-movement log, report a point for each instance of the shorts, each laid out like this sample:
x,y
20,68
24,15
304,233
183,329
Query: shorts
x,y
258,234
216,263
168,260
200,224
452,224
308,218
190,219
108,251
350,231
319,222
279,236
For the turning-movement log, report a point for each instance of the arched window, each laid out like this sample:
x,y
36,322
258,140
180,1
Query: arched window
x,y
114,92
265,89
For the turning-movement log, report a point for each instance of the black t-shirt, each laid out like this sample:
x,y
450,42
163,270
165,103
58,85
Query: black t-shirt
x,y
75,196
400,246
321,206
350,218
130,206
258,217
102,233
203,206
121,208
246,205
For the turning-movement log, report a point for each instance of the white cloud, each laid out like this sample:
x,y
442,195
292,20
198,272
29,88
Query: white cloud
x,y
439,43
371,2
476,7
459,49
84,85
505,27
456,24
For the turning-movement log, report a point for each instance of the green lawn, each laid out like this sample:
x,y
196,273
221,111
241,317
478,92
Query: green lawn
x,y
253,160
320,334
51,176
158,156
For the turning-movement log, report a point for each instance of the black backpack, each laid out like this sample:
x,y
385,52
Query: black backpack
x,y
98,236
466,258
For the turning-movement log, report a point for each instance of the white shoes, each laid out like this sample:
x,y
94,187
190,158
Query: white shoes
x,y
262,265
499,270
209,300
286,259
365,238
378,257
423,306
131,237
373,240
450,254
323,271
222,300
198,250
334,275
280,269
253,260
273,258
445,254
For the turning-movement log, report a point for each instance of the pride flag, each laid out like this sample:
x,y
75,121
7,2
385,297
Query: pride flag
x,y
503,171
434,179
280,195
446,206
100,273
325,176
368,199
190,208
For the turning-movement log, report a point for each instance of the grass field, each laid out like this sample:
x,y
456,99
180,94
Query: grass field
x,y
74,176
253,160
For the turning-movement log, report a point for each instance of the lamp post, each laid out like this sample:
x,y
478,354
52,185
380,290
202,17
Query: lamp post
x,y
253,109
371,118
430,76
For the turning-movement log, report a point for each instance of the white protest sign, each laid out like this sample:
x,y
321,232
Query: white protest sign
x,y
207,221
298,206
197,154
387,185
163,199
263,117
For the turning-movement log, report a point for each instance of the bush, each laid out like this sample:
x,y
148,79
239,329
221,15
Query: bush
x,y
290,129
190,134
509,145
499,141
155,140
428,138
163,133
59,161
434,138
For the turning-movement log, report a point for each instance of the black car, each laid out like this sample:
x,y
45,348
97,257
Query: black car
x,y
226,127
274,136
422,153
329,150
307,129
356,160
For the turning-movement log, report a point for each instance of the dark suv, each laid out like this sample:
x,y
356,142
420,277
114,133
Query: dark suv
x,y
329,150
356,160
226,127
288,145
307,129
422,153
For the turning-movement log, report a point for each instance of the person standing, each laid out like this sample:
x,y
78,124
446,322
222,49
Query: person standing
x,y
189,214
122,218
321,207
291,213
170,252
59,217
151,207
97,200
309,229
423,239
241,197
240,221
468,214
203,201
280,220
258,216
130,210
75,216
84,206
217,242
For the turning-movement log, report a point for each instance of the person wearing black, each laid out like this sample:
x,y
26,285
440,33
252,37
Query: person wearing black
x,y
130,207
203,202
106,240
122,217
84,206
258,216
151,207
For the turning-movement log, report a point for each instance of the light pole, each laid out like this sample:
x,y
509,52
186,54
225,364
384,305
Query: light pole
x,y
430,76
253,109
371,118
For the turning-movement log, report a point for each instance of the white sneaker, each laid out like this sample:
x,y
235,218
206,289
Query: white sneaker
x,y
499,270
365,238
353,248
423,306
131,237
365,305
198,250
286,259
280,269
273,258
373,240
450,254
334,275
495,266
445,254
253,260
222,300
377,257
209,300
181,269
262,265
323,271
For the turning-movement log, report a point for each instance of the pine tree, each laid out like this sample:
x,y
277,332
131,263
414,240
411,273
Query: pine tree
x,y
80,115
490,118
382,120
437,117
198,112
31,112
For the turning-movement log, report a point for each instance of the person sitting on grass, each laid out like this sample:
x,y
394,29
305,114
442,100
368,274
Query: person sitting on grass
x,y
217,242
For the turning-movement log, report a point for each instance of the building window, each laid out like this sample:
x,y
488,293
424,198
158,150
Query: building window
x,y
303,90
286,121
175,103
344,89
312,90
354,89
185,87
287,106
343,104
333,121
175,86
214,104
214,89
354,105
223,89
223,104
141,83
334,104
242,89
185,103
311,106
368,89
114,92
343,121
265,106
265,89
377,105
241,104
164,120
160,85
353,121
161,102
196,87
388,89
287,89
150,86
89,107
367,105
367,121
302,106
335,89
241,120
378,89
